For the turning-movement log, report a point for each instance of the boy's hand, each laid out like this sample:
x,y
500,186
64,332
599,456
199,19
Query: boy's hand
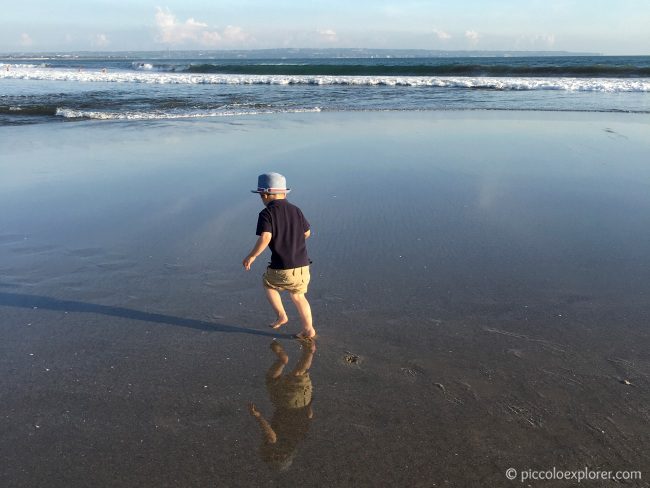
x,y
262,241
248,260
253,410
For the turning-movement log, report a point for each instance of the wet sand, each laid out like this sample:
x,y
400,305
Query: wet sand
x,y
480,288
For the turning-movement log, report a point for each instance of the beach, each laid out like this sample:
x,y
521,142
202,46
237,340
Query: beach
x,y
479,286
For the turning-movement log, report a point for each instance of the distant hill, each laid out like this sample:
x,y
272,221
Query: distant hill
x,y
384,53
305,53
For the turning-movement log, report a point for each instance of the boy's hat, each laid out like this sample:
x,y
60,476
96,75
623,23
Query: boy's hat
x,y
271,183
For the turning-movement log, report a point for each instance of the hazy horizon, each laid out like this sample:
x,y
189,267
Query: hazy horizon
x,y
490,25
328,52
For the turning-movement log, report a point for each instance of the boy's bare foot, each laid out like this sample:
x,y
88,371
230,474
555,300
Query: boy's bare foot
x,y
305,336
279,352
283,319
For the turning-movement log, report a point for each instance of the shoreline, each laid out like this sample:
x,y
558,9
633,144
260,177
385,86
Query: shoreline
x,y
144,118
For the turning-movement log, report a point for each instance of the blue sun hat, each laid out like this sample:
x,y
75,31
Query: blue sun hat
x,y
271,183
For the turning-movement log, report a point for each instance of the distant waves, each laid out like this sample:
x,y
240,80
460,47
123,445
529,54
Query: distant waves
x,y
145,76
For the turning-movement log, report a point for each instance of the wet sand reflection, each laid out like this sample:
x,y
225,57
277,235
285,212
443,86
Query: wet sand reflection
x,y
291,396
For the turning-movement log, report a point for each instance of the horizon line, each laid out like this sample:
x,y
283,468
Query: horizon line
x,y
323,49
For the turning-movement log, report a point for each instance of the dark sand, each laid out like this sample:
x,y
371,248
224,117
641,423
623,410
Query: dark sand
x,y
480,288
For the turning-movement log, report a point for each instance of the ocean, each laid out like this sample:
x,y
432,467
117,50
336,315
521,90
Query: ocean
x,y
155,86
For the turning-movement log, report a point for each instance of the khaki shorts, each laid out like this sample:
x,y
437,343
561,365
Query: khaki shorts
x,y
295,280
290,391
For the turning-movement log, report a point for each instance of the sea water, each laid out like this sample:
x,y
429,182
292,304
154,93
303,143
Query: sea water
x,y
150,86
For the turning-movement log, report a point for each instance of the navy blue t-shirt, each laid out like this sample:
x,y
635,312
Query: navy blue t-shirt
x,y
287,226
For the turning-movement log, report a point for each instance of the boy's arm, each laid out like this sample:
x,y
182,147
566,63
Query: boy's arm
x,y
262,241
307,234
269,434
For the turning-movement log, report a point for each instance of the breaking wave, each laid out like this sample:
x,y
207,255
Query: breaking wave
x,y
146,76
158,115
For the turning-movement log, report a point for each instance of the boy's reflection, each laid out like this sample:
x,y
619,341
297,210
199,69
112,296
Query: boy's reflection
x,y
291,396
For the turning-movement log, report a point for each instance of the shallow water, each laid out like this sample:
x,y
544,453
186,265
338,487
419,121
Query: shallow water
x,y
479,288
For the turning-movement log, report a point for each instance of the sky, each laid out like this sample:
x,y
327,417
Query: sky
x,y
615,27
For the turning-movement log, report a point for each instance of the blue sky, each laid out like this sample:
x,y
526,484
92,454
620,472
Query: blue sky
x,y
610,27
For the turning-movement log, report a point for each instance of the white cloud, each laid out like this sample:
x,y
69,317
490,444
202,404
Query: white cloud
x,y
442,35
25,40
235,34
173,32
207,38
328,35
472,37
540,41
545,39
170,31
101,40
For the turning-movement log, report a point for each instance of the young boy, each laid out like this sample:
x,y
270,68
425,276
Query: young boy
x,y
283,228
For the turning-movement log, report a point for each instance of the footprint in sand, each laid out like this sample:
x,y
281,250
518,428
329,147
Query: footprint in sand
x,y
412,372
352,359
518,353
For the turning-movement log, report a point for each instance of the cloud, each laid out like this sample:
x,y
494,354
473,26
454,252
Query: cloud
x,y
170,31
173,32
328,35
25,40
235,34
442,35
545,39
101,40
539,41
472,37
207,38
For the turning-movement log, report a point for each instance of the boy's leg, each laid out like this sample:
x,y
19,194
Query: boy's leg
x,y
304,310
275,371
304,363
276,302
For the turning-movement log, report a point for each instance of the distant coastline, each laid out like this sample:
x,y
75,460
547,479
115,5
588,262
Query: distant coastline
x,y
307,53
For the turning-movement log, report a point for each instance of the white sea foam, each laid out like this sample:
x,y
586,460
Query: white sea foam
x,y
611,85
12,66
134,115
